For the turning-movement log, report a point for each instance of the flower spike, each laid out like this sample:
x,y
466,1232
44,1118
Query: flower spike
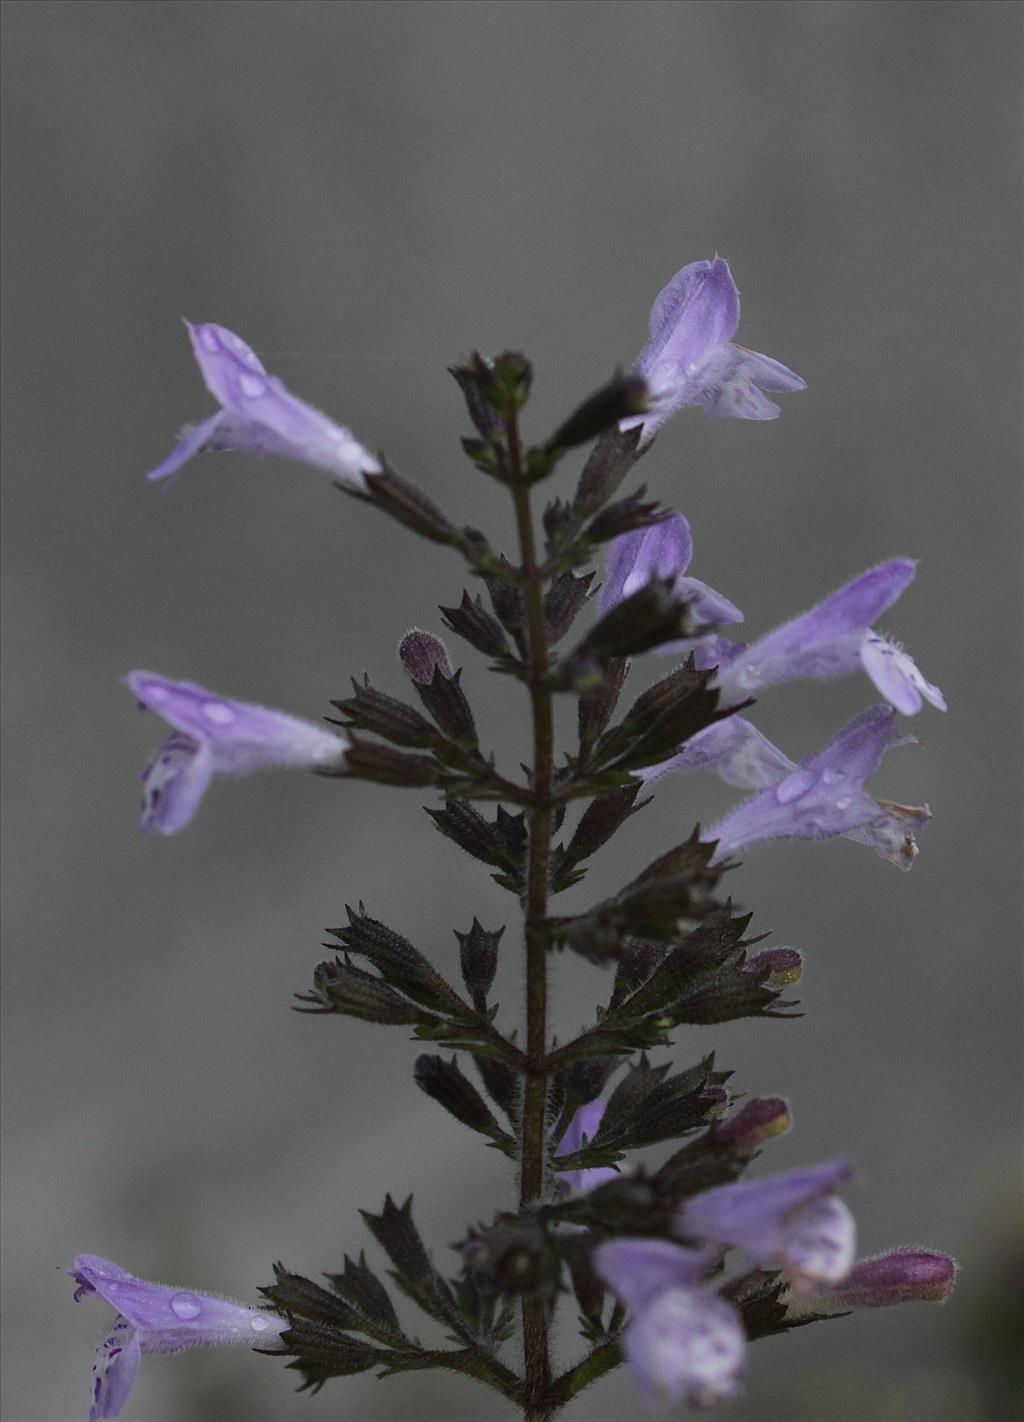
x,y
259,415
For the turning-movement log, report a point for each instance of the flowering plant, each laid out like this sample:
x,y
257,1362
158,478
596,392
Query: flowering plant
x,y
676,1269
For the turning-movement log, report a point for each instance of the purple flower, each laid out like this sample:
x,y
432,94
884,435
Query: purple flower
x,y
581,1129
900,1276
259,415
683,1340
690,358
821,797
793,1221
153,1318
832,639
215,736
662,550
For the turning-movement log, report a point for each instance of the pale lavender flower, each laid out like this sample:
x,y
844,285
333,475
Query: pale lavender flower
x,y
583,1128
738,753
899,1276
821,797
215,736
683,1341
832,639
734,750
153,1318
663,550
792,1221
690,358
259,415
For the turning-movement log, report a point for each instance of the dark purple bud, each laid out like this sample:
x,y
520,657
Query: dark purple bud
x,y
757,1121
901,1276
421,654
782,966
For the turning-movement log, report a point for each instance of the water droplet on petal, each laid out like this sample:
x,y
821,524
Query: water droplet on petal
x,y
844,802
186,1306
259,1324
794,786
833,777
749,677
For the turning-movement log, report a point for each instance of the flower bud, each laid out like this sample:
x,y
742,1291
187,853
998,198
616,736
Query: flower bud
x,y
425,659
901,1276
421,654
757,1121
781,966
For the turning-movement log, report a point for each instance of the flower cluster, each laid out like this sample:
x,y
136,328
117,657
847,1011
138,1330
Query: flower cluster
x,y
824,794
650,1255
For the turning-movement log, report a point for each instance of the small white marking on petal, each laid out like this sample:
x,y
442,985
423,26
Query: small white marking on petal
x,y
218,713
251,385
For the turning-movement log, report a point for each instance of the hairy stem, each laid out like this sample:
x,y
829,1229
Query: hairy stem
x,y
533,1162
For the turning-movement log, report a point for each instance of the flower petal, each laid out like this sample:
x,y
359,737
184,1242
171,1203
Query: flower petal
x,y
662,550
584,1126
194,439
819,1240
174,782
688,1344
113,1372
895,674
734,750
639,1270
891,831
698,309
764,1218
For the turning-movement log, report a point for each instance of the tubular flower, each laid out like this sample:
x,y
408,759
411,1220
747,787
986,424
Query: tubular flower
x,y
215,736
821,797
259,415
690,358
663,550
583,1128
833,639
153,1318
792,1221
683,1341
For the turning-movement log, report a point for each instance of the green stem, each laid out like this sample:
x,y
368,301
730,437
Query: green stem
x,y
533,1163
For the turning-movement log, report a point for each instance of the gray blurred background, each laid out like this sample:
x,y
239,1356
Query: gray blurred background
x,y
367,192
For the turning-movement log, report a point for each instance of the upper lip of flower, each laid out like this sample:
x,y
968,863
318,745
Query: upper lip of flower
x,y
259,414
